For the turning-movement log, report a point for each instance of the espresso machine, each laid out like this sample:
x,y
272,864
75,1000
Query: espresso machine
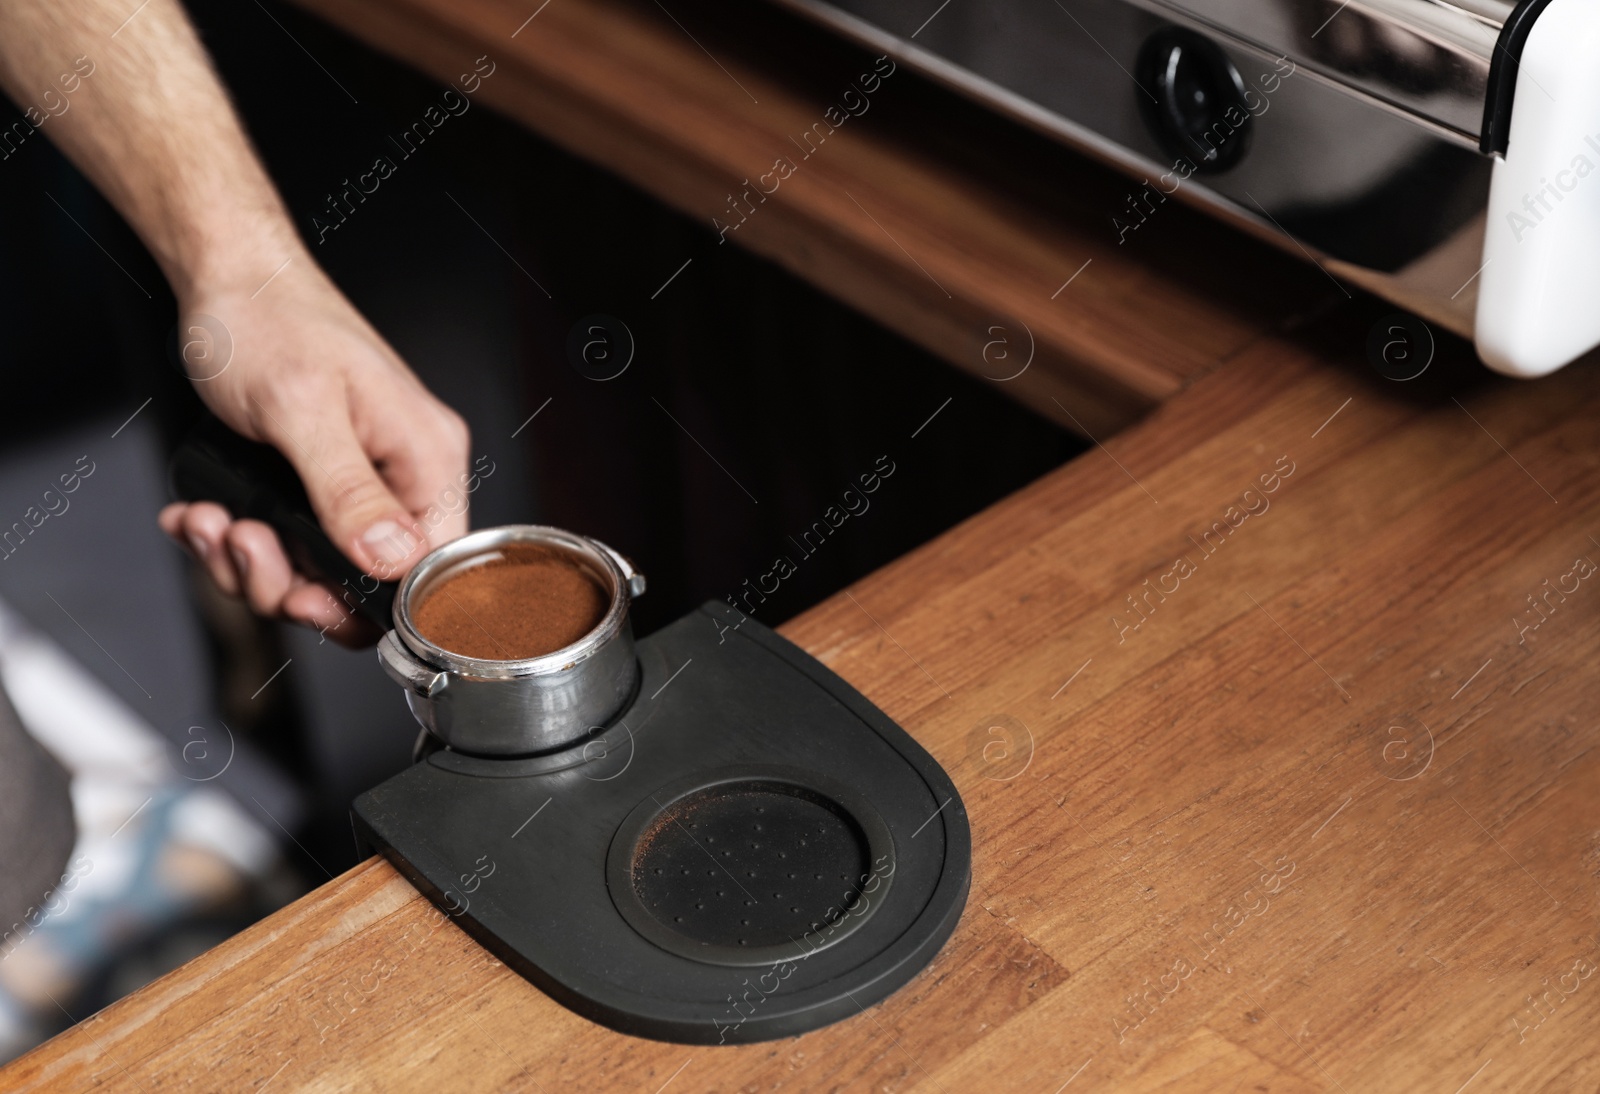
x,y
1438,153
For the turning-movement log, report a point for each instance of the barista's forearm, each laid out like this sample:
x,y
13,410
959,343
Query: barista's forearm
x,y
135,104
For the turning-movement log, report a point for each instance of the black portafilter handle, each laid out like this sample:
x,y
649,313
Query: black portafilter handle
x,y
254,481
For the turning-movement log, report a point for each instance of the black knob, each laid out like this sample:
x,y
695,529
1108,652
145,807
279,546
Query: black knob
x,y
1193,99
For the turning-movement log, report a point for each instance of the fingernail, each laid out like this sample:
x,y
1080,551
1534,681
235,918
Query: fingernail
x,y
389,543
200,547
241,562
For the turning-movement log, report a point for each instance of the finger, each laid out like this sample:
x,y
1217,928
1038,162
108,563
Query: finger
x,y
317,606
274,588
351,501
170,520
204,527
264,571
424,461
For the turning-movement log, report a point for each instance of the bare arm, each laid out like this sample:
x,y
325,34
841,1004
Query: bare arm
x,y
152,128
129,95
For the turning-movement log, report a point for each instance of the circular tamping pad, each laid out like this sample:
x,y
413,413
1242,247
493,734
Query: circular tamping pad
x,y
750,866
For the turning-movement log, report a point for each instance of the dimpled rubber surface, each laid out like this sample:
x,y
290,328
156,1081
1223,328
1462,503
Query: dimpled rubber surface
x,y
749,864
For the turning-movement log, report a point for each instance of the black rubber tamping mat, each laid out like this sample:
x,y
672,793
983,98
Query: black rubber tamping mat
x,y
749,851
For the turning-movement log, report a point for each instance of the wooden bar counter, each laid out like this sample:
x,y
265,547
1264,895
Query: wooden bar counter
x,y
1274,720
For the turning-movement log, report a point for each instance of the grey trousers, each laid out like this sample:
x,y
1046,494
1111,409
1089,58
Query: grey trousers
x,y
36,827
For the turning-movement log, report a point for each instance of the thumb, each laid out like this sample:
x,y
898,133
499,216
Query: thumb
x,y
350,499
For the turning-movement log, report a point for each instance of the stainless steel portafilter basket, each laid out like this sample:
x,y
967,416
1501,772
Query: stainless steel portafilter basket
x,y
502,708
493,708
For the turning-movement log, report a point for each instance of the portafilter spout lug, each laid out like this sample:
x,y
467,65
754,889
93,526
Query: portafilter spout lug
x,y
631,577
405,669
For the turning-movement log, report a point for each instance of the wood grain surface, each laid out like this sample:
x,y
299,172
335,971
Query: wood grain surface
x,y
947,225
1320,817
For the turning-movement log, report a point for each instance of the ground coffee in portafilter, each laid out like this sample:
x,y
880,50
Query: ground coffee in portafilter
x,y
526,601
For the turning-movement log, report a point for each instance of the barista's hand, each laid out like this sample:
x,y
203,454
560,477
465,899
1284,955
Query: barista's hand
x,y
380,457
307,373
